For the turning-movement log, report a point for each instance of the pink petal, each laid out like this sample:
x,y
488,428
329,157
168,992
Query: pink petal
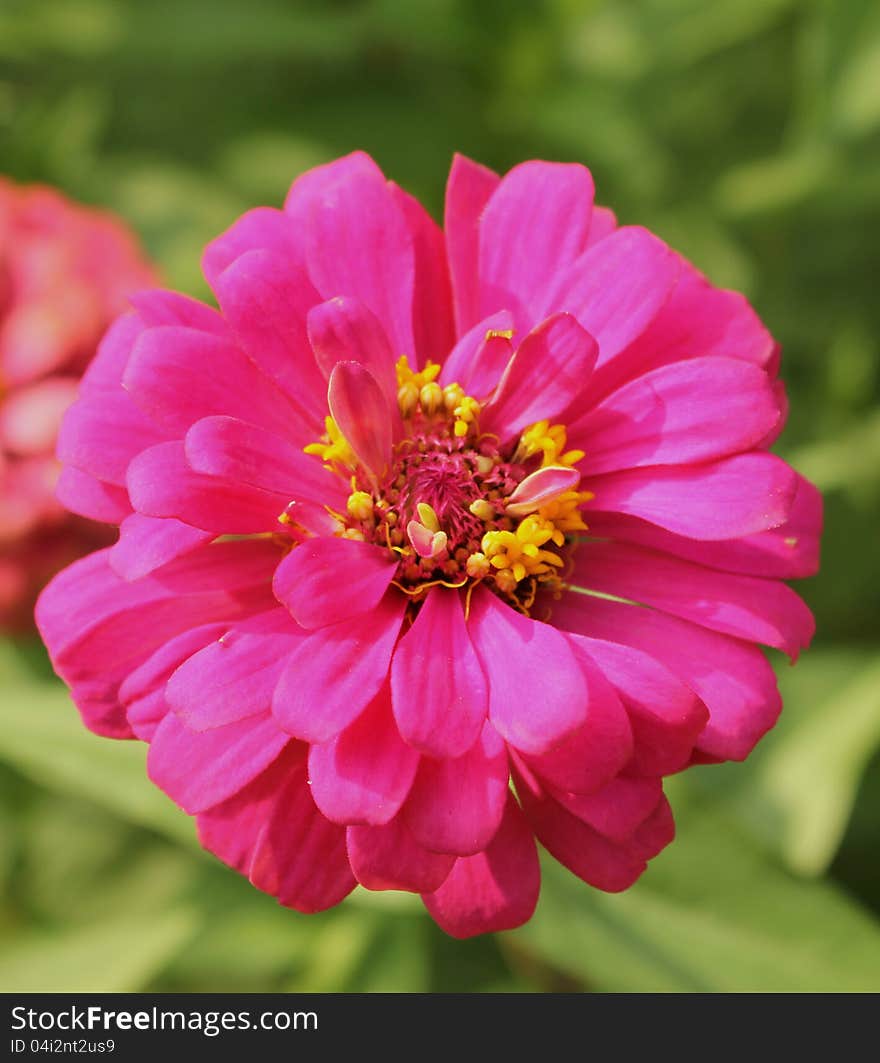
x,y
389,858
455,806
603,222
147,543
479,358
334,674
101,435
89,497
546,374
759,610
617,287
235,676
30,416
363,774
162,484
344,330
685,412
324,579
433,325
537,690
262,229
496,889
198,769
725,499
104,373
159,307
532,229
439,692
732,678
618,809
362,413
245,453
468,190
541,487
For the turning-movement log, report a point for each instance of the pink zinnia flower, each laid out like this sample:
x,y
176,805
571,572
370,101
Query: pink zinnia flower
x,y
432,544
65,272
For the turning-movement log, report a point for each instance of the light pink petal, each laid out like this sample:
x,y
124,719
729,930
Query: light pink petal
x,y
618,809
245,453
89,497
732,678
467,191
162,484
599,749
343,329
789,551
363,774
334,674
362,413
547,373
30,416
179,375
537,690
198,769
617,287
480,356
300,856
532,229
439,691
100,435
665,715
147,543
265,298
496,889
235,676
455,806
541,487
690,411
742,495
759,610
389,858
324,579
261,229
157,306
433,325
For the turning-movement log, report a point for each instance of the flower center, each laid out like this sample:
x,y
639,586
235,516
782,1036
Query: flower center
x,y
456,506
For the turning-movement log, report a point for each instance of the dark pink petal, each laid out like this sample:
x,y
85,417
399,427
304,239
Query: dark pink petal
x,y
532,229
759,610
235,676
789,551
439,691
725,499
455,806
617,287
198,769
362,413
732,678
480,356
162,484
389,858
598,750
343,329
363,774
496,889
245,453
666,717
324,579
147,543
101,435
546,374
467,191
334,674
690,411
179,375
157,306
265,298
433,326
89,497
537,690
261,229
300,856
618,809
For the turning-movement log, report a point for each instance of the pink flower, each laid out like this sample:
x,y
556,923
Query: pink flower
x,y
421,514
65,271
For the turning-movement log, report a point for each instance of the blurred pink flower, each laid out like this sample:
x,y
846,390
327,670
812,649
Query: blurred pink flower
x,y
65,272
343,657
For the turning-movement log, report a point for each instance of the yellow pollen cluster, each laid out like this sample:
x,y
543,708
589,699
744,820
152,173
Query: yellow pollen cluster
x,y
520,551
420,390
563,514
333,448
548,440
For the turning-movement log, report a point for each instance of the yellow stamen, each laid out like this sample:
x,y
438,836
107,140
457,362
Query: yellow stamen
x,y
549,441
482,509
428,517
333,447
359,505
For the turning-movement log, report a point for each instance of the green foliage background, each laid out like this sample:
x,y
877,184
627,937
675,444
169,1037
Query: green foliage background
x,y
743,131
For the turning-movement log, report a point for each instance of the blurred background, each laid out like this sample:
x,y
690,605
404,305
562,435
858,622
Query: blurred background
x,y
744,132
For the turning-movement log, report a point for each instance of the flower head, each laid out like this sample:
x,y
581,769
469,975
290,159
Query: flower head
x,y
434,543
65,273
